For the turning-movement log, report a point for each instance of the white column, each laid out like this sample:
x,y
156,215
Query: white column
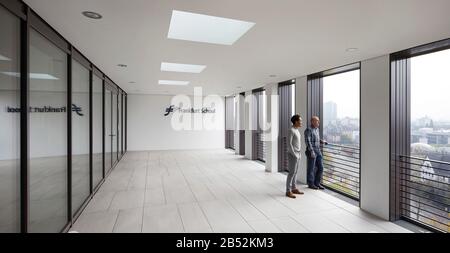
x,y
375,136
272,135
248,125
301,109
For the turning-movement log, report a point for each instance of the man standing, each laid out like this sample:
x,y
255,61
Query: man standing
x,y
314,155
294,155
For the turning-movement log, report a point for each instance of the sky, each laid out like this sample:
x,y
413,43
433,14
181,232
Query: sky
x,y
343,89
430,86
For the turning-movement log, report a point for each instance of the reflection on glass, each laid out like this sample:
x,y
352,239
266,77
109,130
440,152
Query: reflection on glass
x,y
48,137
108,140
341,129
97,130
9,123
428,180
80,135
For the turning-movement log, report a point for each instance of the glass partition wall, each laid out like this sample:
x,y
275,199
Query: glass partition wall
x,y
9,122
55,113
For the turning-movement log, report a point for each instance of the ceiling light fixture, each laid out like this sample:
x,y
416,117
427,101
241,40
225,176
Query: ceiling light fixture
x,y
171,82
207,29
91,14
183,68
122,65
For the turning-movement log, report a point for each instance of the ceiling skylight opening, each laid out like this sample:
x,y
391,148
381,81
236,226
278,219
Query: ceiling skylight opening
x,y
207,29
183,68
171,82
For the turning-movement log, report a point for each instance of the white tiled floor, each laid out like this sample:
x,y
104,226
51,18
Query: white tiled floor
x,y
213,191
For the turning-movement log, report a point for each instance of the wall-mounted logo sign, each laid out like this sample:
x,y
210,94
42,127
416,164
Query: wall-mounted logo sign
x,y
48,109
178,109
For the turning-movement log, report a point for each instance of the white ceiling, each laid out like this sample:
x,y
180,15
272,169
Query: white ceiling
x,y
291,38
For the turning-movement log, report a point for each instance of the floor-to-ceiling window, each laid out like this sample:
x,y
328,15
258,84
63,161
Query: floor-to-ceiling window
x,y
429,175
259,112
334,96
9,122
48,135
420,140
229,122
80,135
97,130
286,96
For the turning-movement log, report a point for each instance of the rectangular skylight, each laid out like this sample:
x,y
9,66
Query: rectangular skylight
x,y
170,82
37,76
208,29
184,68
4,58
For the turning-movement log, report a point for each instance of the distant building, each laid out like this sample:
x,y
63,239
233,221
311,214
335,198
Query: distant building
x,y
330,112
435,171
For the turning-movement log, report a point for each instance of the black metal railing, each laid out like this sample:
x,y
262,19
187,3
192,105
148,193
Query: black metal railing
x,y
425,191
342,169
260,146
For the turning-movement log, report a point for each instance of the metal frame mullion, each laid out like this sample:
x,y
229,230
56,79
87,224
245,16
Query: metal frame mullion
x,y
91,135
24,124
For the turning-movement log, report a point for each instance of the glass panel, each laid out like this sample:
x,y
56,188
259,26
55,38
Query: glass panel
x,y
341,114
114,127
97,130
108,147
80,135
9,123
426,185
48,124
341,130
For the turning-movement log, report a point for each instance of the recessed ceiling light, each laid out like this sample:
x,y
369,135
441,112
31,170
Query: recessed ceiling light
x,y
4,58
184,68
122,65
37,76
208,29
171,82
91,14
351,49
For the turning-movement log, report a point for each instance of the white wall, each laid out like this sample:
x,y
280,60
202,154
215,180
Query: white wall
x,y
149,129
375,136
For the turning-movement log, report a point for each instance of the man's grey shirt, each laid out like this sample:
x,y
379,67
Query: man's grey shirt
x,y
312,140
